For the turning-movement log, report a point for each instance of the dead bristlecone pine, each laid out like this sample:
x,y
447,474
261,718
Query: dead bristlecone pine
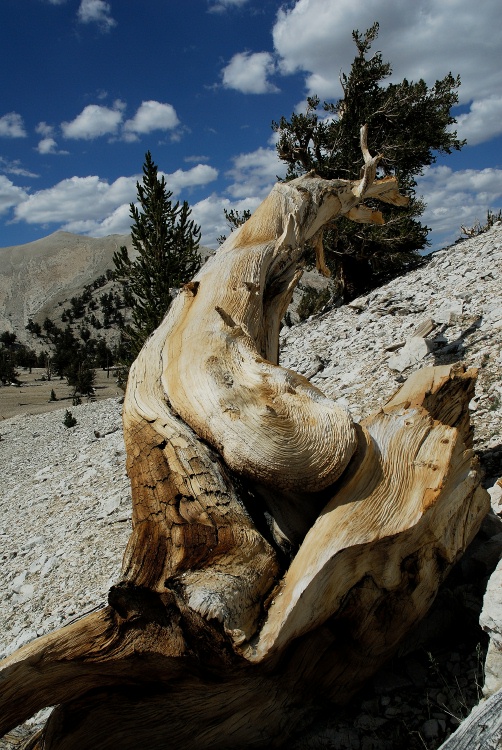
x,y
279,551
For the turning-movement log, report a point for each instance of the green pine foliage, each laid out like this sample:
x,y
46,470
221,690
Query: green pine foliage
x,y
410,123
12,355
69,420
234,219
80,376
166,240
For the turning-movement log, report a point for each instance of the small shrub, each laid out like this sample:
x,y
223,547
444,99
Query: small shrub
x,y
69,420
53,395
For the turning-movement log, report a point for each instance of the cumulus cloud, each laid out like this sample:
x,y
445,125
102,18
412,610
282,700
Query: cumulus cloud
x,y
77,199
421,40
96,11
10,194
251,179
202,174
254,173
458,198
118,222
483,121
44,129
94,121
248,72
12,126
92,205
208,213
151,115
49,146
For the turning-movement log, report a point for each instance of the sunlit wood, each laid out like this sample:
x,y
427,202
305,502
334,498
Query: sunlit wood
x,y
278,549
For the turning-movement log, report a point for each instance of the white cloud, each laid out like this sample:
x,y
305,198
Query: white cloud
x,y
252,177
92,205
196,159
151,116
14,167
458,198
483,121
208,213
44,129
220,6
94,121
12,126
421,40
10,194
77,199
202,174
49,146
118,222
248,72
254,173
96,11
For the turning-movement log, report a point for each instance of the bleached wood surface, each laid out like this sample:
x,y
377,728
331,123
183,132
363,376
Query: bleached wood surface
x,y
264,519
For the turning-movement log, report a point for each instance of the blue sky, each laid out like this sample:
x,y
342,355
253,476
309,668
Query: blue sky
x,y
88,86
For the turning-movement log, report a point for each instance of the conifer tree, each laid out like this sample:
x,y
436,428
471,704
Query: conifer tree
x,y
235,219
409,123
166,241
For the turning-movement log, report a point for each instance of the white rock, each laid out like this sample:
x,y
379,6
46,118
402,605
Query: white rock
x,y
495,493
415,350
448,311
491,622
18,581
110,505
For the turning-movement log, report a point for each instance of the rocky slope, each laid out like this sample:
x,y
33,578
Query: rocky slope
x,y
65,500
35,277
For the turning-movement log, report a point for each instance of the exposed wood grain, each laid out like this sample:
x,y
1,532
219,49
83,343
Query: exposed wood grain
x,y
278,550
482,730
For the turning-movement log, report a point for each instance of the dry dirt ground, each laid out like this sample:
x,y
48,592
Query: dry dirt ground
x,y
32,396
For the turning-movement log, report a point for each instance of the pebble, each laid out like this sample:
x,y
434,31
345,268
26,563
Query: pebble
x,y
65,509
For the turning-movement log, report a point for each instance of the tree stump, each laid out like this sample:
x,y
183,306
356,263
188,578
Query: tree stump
x,y
279,551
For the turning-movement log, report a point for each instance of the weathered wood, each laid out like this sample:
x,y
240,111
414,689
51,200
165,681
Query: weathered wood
x,y
482,730
279,551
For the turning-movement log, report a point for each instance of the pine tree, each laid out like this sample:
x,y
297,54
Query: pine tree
x,y
409,123
166,241
235,219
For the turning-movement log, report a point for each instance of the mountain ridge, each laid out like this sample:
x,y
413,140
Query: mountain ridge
x,y
36,277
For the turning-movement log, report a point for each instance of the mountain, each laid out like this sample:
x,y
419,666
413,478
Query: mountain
x,y
36,277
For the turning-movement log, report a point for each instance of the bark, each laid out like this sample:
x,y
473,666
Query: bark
x,y
279,552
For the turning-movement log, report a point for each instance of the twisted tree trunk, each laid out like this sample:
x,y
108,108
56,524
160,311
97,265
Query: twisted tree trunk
x,y
279,552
